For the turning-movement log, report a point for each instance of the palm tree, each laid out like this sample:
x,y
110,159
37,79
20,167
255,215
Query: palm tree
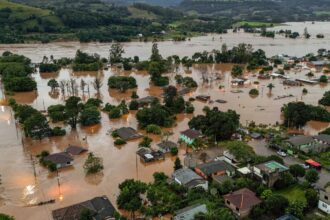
x,y
270,86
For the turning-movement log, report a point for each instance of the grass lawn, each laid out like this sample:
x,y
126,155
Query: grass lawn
x,y
256,24
20,8
293,193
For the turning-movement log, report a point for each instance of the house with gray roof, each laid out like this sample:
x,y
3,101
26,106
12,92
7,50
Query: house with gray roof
x,y
100,207
189,178
166,146
188,213
322,139
215,168
318,143
127,133
61,160
145,101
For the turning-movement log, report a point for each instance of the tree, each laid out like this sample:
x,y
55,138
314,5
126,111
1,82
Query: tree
x,y
306,34
156,114
240,150
93,164
97,84
296,208
276,204
53,84
220,213
36,126
325,100
270,86
130,196
236,71
56,112
122,83
116,52
177,164
146,142
86,214
155,56
73,106
297,170
323,79
6,217
312,198
266,194
254,92
312,176
90,116
216,124
285,181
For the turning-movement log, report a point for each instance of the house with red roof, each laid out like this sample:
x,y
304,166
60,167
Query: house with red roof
x,y
241,201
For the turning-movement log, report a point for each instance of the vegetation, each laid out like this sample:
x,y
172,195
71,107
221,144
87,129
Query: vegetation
x,y
86,62
236,71
93,164
90,115
156,114
116,111
215,124
122,83
325,100
154,129
254,92
6,217
119,141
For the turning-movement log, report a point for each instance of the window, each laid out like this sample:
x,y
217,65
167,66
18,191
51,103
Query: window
x,y
228,202
326,197
237,209
324,205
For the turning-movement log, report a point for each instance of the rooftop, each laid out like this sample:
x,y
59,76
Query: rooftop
x,y
59,158
271,166
127,133
300,140
101,208
323,137
188,213
185,175
75,150
167,144
191,133
243,199
215,166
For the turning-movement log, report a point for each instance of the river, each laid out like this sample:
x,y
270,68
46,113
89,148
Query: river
x,y
278,45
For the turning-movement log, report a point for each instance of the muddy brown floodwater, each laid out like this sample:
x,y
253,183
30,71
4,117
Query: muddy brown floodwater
x,y
25,182
279,45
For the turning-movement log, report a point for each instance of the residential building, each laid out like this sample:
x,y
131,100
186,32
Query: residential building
x,y
166,146
241,201
323,139
215,168
188,136
228,157
75,150
222,179
324,200
188,213
60,159
145,101
269,172
149,155
189,178
301,142
128,133
100,207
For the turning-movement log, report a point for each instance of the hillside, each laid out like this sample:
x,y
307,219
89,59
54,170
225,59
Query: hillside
x,y
266,10
164,3
87,20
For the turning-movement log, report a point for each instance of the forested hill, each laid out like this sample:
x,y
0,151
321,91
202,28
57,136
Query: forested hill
x,y
165,3
262,10
93,20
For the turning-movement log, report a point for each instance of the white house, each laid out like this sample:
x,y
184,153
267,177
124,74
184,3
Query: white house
x,y
324,200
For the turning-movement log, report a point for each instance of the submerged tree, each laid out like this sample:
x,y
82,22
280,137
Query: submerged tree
x,y
97,85
53,84
116,52
93,164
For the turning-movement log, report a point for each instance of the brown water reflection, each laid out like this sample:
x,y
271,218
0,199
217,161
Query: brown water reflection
x,y
21,187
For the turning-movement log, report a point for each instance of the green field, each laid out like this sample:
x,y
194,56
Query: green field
x,y
293,193
138,13
256,24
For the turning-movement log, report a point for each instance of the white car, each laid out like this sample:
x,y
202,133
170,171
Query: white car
x,y
304,166
281,153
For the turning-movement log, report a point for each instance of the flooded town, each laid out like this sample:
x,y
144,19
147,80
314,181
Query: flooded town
x,y
295,71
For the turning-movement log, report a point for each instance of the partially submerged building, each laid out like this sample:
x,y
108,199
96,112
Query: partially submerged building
x,y
100,208
75,150
166,146
189,213
148,155
215,168
127,133
188,136
60,159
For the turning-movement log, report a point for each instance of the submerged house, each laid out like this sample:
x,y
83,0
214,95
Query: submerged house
x,y
75,150
241,201
100,208
60,159
127,133
269,172
148,155
189,178
188,136
166,146
145,101
215,168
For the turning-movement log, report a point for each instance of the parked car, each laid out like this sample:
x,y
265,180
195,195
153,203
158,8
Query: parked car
x,y
304,166
281,153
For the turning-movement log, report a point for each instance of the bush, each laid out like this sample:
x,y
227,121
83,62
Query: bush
x,y
48,67
115,113
119,141
133,105
174,151
154,129
122,82
93,164
323,79
236,71
90,116
189,82
20,84
254,92
58,131
160,81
